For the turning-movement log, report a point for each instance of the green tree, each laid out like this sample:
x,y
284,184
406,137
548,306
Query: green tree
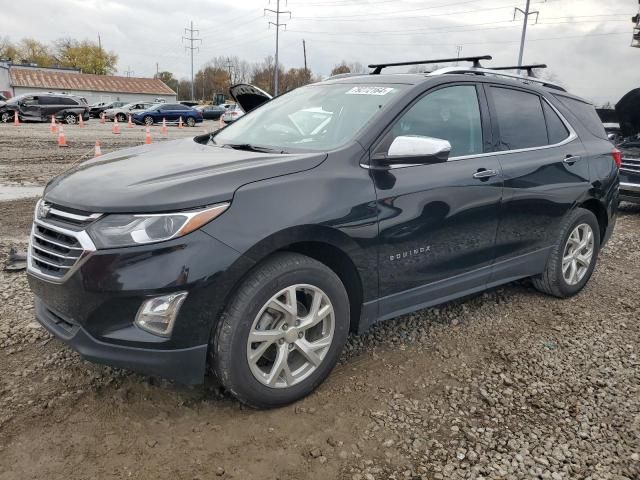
x,y
86,56
8,50
33,51
342,68
169,80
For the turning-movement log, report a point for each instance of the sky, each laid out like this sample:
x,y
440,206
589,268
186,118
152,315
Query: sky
x,y
585,43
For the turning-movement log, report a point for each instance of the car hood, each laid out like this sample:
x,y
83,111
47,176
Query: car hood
x,y
248,96
168,176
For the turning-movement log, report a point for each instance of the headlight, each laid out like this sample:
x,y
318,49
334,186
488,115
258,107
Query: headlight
x,y
120,230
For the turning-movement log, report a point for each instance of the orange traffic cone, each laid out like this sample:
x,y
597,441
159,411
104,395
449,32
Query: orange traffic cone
x,y
130,123
62,142
164,130
97,151
221,123
53,128
116,127
147,136
81,124
102,117
16,120
180,125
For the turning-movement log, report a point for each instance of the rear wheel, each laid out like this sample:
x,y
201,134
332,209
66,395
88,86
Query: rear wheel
x,y
148,120
191,122
573,258
70,118
282,332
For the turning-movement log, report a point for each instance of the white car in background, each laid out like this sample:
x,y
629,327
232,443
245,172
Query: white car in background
x,y
122,113
233,113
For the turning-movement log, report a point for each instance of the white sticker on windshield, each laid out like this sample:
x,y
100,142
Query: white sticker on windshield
x,y
369,91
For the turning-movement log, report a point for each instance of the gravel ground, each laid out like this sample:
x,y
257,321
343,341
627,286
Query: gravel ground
x,y
509,384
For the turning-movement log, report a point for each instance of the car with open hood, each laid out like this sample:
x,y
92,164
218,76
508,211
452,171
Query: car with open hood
x,y
628,111
252,252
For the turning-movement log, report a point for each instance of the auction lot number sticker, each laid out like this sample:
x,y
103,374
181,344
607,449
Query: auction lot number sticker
x,y
369,91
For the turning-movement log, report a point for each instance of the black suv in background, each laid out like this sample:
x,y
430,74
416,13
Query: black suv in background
x,y
40,107
254,251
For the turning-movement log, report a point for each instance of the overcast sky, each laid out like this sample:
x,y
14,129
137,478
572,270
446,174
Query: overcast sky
x,y
584,42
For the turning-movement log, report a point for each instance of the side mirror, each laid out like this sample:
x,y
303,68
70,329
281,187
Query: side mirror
x,y
412,149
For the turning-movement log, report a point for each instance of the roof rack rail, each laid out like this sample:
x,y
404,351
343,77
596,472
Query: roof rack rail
x,y
496,72
475,60
528,68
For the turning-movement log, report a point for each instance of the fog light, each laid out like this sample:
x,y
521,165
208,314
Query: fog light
x,y
158,314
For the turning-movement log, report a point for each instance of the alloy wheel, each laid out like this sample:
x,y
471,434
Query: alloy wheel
x,y
578,254
121,118
191,121
70,118
5,117
290,336
148,121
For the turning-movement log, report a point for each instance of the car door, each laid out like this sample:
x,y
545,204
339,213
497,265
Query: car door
x,y
30,108
438,221
545,171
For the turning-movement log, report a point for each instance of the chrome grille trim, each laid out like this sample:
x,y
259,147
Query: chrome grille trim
x,y
55,252
630,165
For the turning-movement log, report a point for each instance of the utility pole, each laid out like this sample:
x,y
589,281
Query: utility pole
x,y
277,24
526,13
459,51
129,72
99,42
304,50
157,69
229,64
191,38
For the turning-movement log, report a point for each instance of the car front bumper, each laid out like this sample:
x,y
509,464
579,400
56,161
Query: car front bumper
x,y
94,307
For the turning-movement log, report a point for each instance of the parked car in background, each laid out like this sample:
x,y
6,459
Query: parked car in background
x,y
39,107
253,251
630,170
2,98
233,113
211,112
171,112
122,113
97,109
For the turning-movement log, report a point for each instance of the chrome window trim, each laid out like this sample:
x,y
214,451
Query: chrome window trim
x,y
572,136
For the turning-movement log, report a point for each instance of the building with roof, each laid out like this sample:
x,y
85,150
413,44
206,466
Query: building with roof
x,y
23,79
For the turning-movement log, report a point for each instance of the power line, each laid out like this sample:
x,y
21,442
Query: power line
x,y
277,24
191,38
128,72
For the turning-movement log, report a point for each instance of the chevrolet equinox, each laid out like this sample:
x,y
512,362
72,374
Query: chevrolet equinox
x,y
252,252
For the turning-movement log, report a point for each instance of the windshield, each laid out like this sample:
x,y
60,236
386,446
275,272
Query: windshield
x,y
315,117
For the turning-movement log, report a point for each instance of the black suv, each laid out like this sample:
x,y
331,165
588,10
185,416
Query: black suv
x,y
252,252
40,107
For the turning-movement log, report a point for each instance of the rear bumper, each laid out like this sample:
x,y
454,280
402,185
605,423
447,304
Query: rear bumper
x,y
630,192
185,365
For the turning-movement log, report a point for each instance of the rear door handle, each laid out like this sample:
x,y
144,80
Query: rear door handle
x,y
571,159
482,174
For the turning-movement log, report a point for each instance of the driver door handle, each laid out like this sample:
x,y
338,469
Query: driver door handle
x,y
571,159
484,173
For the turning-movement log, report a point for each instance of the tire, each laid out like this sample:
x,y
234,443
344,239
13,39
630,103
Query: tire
x,y
5,117
230,349
70,118
121,117
191,122
148,120
553,280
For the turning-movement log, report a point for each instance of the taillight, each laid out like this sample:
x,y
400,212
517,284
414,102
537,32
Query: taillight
x,y
617,157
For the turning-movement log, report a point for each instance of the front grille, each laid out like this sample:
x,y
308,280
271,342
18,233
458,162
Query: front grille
x,y
631,165
58,241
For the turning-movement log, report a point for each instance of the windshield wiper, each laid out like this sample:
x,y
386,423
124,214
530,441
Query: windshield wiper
x,y
252,148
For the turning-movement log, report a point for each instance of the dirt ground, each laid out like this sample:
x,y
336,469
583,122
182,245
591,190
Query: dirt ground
x,y
508,384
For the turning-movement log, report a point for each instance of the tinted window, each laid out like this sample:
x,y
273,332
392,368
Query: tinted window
x,y
451,113
66,101
556,130
586,114
520,119
47,100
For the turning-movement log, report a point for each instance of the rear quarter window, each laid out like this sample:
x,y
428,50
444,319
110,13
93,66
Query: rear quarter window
x,y
586,114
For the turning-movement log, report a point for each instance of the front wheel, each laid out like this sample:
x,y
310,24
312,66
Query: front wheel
x,y
282,333
121,118
148,120
70,119
5,117
573,258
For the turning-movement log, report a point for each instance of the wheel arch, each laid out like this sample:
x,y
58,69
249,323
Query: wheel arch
x,y
595,206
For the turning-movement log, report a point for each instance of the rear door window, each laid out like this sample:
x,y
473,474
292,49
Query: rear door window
x,y
66,101
520,119
556,129
44,100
